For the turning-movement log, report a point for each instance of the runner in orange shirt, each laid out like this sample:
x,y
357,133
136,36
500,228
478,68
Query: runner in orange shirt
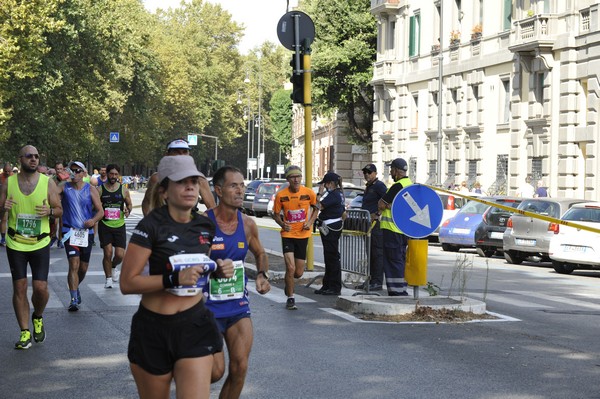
x,y
295,210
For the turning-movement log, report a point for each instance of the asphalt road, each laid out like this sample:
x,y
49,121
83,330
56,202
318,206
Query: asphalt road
x,y
545,345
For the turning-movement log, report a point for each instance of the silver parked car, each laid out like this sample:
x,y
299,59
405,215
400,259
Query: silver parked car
x,y
526,236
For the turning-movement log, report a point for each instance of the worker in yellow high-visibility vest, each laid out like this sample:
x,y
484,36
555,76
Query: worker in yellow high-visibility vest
x,y
394,241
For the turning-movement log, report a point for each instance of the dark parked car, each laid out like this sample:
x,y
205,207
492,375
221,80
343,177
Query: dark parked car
x,y
490,232
249,195
526,236
263,199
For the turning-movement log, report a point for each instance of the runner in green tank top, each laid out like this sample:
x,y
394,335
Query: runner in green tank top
x,y
116,204
29,198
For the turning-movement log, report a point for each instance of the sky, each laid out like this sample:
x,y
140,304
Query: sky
x,y
259,17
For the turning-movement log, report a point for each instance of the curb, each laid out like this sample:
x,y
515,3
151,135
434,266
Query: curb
x,y
391,306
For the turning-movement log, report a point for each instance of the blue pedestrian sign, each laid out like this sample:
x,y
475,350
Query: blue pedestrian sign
x,y
417,210
114,137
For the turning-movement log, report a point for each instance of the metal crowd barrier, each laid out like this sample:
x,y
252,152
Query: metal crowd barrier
x,y
355,243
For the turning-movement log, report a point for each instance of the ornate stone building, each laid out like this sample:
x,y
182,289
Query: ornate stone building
x,y
520,92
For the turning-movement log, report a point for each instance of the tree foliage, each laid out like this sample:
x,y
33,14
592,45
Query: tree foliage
x,y
343,54
72,71
281,119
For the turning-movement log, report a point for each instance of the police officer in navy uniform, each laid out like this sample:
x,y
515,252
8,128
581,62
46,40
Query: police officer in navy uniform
x,y
394,241
331,200
375,190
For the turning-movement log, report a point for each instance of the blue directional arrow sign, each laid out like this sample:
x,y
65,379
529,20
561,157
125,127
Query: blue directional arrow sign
x,y
417,210
114,137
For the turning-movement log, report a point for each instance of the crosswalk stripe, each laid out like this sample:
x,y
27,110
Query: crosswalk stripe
x,y
561,300
510,301
278,295
113,296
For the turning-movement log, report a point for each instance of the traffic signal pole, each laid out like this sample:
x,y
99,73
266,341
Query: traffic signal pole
x,y
306,76
296,31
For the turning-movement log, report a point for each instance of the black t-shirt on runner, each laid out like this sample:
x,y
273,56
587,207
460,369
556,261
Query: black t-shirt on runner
x,y
165,237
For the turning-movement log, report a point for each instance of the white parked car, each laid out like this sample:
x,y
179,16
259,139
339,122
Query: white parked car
x,y
572,248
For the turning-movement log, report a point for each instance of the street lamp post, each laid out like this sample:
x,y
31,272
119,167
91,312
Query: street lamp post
x,y
216,143
259,123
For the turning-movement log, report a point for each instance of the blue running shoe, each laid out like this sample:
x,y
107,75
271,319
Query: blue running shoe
x,y
73,306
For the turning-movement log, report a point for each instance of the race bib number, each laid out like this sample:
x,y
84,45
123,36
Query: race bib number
x,y
79,238
29,225
112,213
182,261
224,289
296,216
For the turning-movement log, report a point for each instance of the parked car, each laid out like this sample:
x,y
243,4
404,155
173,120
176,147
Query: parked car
x,y
350,192
459,232
490,232
473,225
263,199
251,188
572,248
356,202
452,204
526,236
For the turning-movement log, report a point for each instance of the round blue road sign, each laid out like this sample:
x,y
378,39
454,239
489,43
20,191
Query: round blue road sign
x,y
417,210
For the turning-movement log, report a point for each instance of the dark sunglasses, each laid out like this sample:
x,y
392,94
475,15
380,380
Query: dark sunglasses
x,y
76,171
366,172
29,156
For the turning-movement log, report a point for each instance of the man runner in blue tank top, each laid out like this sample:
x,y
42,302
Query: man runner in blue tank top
x,y
228,297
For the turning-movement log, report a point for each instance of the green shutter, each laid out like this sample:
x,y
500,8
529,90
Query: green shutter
x,y
507,17
412,38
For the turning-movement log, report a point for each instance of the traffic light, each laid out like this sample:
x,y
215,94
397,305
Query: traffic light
x,y
297,80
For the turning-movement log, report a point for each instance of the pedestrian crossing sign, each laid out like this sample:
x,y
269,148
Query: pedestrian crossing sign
x,y
114,137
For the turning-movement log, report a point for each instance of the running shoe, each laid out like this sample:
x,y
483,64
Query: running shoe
x,y
73,306
291,304
108,283
24,341
60,244
3,243
52,241
115,275
78,297
39,332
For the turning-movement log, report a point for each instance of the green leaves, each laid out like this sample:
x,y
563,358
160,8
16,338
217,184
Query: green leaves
x,y
343,55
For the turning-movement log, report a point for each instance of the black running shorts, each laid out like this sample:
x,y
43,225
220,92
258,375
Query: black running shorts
x,y
295,245
157,341
117,237
39,261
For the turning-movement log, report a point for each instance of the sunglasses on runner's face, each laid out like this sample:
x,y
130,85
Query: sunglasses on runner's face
x,y
29,156
76,171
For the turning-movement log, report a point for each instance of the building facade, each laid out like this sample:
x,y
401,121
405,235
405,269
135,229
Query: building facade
x,y
331,150
519,92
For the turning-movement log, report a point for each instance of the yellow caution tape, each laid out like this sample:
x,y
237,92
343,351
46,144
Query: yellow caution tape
x,y
518,211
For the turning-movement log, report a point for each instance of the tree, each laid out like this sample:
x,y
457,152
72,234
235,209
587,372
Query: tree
x,y
343,54
281,120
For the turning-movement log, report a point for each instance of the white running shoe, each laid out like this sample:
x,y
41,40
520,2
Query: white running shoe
x,y
108,283
115,275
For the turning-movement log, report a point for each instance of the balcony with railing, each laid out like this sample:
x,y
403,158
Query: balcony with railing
x,y
536,32
383,6
386,71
